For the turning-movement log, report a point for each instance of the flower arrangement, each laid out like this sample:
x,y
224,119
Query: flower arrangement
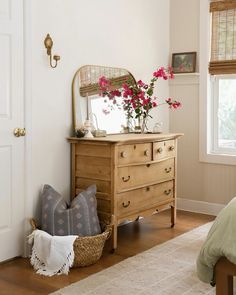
x,y
136,99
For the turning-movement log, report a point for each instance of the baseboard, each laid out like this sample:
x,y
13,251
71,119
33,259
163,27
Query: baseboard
x,y
199,206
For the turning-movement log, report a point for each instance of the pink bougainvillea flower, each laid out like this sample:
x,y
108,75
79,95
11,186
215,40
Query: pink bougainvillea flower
x,y
140,83
173,104
104,83
127,91
141,95
116,92
137,100
176,104
171,73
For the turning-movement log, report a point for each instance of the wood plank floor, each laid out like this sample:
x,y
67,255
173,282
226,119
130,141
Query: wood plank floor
x,y
18,278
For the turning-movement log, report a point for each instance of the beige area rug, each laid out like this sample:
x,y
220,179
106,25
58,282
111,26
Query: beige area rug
x,y
166,269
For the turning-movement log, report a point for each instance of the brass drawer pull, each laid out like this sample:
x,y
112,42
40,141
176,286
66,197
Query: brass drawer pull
x,y
148,165
159,150
147,189
126,205
126,179
167,192
168,170
146,153
171,148
123,155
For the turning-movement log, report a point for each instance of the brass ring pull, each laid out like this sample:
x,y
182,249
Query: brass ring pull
x,y
167,170
167,192
126,179
159,150
171,148
123,155
146,153
126,205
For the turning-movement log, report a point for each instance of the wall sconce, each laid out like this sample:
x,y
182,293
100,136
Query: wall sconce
x,y
48,44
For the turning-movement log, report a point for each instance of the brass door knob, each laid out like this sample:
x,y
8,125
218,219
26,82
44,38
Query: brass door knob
x,y
19,132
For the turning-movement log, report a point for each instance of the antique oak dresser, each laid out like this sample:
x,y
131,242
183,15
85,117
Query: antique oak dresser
x,y
135,174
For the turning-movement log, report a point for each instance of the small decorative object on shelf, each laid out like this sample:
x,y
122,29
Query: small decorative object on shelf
x,y
184,62
80,132
88,128
157,127
87,123
137,100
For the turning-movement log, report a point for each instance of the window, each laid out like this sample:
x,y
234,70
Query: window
x,y
224,114
218,81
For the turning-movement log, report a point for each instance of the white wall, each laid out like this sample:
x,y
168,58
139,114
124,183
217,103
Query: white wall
x,y
133,34
196,181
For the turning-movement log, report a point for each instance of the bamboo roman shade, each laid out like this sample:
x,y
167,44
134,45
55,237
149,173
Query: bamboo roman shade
x,y
223,43
90,74
93,89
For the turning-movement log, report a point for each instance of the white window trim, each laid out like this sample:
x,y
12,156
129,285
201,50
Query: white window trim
x,y
205,107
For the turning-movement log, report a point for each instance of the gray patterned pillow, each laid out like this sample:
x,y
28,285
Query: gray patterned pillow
x,y
79,219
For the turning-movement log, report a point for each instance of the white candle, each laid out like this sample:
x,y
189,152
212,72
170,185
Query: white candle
x,y
87,107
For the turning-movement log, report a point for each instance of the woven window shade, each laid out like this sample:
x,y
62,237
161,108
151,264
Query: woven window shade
x,y
223,43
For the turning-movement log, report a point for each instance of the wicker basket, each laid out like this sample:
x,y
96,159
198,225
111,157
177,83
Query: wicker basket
x,y
88,250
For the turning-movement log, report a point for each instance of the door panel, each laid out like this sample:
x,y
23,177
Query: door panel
x,y
5,9
5,187
5,62
11,116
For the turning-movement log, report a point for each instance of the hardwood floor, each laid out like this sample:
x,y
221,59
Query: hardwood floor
x,y
17,277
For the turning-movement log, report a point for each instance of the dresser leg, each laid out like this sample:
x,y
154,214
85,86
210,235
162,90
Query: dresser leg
x,y
173,216
114,238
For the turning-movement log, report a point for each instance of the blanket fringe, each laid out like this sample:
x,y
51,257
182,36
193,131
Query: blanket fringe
x,y
40,268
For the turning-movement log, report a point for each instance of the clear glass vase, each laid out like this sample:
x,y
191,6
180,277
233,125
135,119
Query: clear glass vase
x,y
141,125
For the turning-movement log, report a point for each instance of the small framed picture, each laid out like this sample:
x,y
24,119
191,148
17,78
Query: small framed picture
x,y
184,62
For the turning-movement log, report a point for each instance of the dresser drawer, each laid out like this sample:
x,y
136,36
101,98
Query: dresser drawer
x,y
164,149
134,153
144,198
134,176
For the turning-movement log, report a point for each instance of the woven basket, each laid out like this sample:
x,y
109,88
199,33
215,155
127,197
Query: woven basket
x,y
88,250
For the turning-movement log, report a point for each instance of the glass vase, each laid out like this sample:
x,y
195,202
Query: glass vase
x,y
141,125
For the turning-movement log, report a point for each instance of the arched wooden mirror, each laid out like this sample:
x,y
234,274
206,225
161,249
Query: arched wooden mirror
x,y
85,84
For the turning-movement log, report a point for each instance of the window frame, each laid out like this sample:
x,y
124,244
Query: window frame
x,y
206,108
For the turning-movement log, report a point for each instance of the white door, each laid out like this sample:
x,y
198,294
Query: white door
x,y
11,116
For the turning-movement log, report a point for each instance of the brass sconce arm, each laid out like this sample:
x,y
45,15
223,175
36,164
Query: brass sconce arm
x,y
49,44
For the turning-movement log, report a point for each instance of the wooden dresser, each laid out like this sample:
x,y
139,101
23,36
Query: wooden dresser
x,y
135,174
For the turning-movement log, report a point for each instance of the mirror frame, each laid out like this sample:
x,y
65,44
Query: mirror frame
x,y
75,78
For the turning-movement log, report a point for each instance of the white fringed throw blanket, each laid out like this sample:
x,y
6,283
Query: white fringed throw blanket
x,y
51,255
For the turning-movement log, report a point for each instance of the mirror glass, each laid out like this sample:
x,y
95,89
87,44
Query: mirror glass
x,y
87,102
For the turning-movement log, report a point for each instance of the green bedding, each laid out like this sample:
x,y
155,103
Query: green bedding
x,y
221,241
